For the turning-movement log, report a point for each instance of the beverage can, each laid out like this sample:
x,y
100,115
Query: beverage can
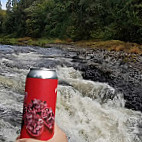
x,y
39,104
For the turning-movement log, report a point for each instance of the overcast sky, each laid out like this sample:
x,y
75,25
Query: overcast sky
x,y
3,2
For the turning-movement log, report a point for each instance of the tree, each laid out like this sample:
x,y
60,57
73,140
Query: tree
x,y
35,19
14,3
75,19
0,5
9,5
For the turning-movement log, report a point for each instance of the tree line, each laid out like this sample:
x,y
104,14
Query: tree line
x,y
75,19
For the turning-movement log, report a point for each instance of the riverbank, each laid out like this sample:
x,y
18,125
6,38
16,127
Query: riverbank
x,y
110,45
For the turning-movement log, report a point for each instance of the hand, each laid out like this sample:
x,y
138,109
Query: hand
x,y
59,136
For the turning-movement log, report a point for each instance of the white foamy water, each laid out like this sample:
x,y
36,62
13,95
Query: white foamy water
x,y
87,111
86,117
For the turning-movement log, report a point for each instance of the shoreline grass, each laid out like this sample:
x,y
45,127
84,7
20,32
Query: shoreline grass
x,y
111,45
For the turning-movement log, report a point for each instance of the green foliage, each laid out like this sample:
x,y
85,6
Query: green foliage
x,y
0,5
35,19
2,15
75,19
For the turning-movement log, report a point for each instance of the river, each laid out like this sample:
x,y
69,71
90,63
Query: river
x,y
87,110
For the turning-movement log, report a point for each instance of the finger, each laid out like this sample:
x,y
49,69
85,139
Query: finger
x,y
59,135
28,140
18,138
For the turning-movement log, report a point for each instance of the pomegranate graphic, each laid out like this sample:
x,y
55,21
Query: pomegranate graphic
x,y
36,116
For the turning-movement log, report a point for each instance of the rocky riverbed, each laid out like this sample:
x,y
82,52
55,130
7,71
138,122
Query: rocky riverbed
x,y
99,92
121,70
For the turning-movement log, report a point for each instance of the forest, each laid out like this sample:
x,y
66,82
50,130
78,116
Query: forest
x,y
73,19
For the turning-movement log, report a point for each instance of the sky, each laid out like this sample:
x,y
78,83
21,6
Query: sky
x,y
3,2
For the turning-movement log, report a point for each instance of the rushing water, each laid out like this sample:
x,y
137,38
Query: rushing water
x,y
87,111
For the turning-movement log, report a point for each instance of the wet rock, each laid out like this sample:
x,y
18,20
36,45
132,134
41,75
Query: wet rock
x,y
11,116
120,70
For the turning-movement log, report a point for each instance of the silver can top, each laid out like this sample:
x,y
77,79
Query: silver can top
x,y
42,73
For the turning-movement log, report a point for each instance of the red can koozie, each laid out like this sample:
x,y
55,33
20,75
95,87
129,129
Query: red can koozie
x,y
39,104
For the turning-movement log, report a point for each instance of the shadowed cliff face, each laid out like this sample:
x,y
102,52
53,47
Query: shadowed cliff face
x,y
94,88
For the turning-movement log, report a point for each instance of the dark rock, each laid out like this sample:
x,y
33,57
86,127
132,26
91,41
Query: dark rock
x,y
110,67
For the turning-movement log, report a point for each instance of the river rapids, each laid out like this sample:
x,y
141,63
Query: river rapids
x,y
88,111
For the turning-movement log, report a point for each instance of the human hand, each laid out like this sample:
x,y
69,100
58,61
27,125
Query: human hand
x,y
59,136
